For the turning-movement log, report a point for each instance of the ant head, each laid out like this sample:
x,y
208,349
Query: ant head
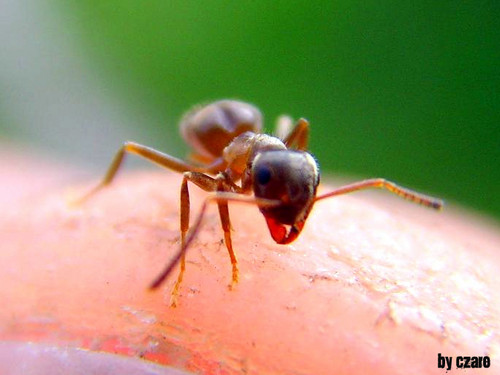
x,y
292,178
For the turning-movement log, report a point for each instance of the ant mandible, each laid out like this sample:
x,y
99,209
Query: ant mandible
x,y
228,143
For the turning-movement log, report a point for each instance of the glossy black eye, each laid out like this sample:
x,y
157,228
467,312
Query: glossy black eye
x,y
263,175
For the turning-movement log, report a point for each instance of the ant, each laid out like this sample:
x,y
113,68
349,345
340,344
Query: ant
x,y
229,147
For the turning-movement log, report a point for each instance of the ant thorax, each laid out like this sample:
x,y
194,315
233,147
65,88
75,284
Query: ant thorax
x,y
240,153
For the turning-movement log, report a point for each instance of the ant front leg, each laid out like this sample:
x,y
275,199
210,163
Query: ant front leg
x,y
208,184
298,136
283,126
234,195
226,227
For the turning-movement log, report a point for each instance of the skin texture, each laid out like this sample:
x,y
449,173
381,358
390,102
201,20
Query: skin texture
x,y
373,285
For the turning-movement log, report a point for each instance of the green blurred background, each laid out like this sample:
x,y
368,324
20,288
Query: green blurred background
x,y
407,90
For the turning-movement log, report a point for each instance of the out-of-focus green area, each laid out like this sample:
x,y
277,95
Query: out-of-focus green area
x,y
403,90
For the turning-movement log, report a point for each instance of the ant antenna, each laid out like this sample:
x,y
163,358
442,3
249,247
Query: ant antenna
x,y
381,183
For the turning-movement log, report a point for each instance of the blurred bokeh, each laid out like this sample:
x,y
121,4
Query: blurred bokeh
x,y
403,90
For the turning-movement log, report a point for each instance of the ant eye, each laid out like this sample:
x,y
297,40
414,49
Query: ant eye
x,y
263,175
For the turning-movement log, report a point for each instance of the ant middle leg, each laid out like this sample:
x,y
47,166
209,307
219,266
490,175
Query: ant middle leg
x,y
298,136
152,155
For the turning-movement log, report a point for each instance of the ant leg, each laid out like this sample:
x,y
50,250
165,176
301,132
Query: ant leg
x,y
226,227
413,196
299,135
155,156
283,126
207,183
184,226
215,197
210,184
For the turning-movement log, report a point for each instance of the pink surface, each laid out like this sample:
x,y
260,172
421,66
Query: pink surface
x,y
371,286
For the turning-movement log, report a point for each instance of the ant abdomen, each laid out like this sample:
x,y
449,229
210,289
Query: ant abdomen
x,y
209,129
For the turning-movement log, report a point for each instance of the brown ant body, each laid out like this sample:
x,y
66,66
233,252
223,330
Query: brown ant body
x,y
228,144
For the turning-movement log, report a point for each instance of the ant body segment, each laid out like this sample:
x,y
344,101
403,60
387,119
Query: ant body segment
x,y
229,147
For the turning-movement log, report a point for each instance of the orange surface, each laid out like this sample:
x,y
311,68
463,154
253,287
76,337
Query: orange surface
x,y
372,286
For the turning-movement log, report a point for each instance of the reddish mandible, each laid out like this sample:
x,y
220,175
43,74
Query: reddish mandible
x,y
230,148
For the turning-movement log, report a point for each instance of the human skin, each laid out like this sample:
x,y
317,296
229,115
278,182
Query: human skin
x,y
374,284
